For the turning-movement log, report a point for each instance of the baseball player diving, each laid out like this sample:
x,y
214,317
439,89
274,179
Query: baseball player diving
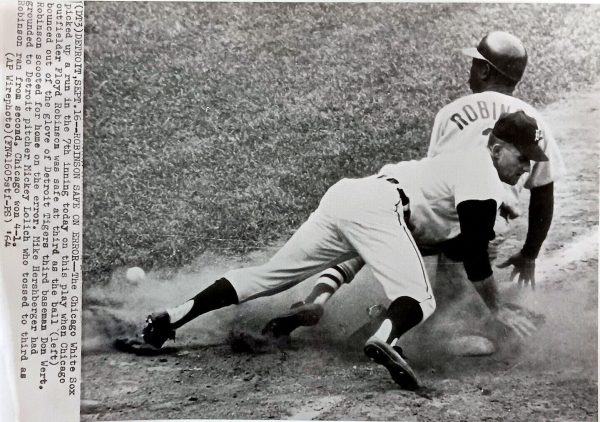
x,y
498,64
368,218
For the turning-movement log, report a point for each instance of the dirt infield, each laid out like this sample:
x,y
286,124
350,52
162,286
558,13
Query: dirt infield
x,y
552,376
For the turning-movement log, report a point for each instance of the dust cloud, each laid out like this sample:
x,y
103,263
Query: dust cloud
x,y
567,339
120,308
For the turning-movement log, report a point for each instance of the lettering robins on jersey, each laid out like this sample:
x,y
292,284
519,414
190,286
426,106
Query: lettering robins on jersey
x,y
459,126
481,110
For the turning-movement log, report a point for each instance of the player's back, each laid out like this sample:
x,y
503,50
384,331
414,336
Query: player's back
x,y
435,185
459,125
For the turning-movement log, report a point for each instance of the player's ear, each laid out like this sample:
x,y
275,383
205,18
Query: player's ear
x,y
485,71
496,150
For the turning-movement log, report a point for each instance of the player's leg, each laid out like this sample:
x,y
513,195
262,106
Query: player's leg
x,y
333,278
308,312
313,247
397,264
161,326
402,275
344,273
385,243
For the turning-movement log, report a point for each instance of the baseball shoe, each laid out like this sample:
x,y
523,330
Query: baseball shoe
x,y
135,345
393,360
158,329
301,315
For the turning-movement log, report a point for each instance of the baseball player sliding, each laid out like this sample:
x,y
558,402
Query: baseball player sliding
x,y
498,64
367,218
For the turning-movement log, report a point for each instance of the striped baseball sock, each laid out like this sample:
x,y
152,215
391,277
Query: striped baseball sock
x,y
326,285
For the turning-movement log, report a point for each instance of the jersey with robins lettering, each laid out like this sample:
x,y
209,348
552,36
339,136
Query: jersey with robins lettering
x,y
459,126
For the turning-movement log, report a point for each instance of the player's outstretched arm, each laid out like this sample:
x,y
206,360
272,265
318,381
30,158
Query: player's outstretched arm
x,y
541,209
523,267
488,290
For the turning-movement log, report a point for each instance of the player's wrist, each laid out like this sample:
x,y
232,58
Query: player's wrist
x,y
529,252
488,291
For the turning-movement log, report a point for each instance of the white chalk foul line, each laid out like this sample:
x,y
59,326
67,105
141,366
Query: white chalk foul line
x,y
311,411
583,248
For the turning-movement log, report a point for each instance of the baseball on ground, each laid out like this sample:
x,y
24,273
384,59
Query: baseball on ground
x,y
135,274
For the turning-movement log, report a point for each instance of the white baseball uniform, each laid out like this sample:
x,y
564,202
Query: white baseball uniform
x,y
458,127
364,217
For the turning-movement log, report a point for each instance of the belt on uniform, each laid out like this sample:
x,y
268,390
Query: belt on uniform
x,y
403,198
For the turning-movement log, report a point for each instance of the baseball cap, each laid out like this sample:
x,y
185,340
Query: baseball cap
x,y
522,131
503,51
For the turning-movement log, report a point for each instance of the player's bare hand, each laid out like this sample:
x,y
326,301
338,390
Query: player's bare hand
x,y
515,321
523,267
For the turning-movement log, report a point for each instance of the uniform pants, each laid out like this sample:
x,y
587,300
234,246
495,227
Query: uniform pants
x,y
355,217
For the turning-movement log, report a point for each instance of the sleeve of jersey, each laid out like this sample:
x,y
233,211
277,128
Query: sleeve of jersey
x,y
545,172
477,229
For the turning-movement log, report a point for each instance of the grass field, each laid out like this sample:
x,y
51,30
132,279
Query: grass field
x,y
217,127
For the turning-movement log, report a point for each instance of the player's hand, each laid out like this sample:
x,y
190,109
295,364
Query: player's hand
x,y
520,324
523,267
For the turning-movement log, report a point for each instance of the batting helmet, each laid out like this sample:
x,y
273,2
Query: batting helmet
x,y
503,51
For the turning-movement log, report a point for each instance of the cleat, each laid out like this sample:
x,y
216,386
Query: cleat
x,y
301,315
158,329
392,358
136,346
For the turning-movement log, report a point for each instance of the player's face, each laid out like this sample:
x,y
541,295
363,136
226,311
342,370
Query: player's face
x,y
511,164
